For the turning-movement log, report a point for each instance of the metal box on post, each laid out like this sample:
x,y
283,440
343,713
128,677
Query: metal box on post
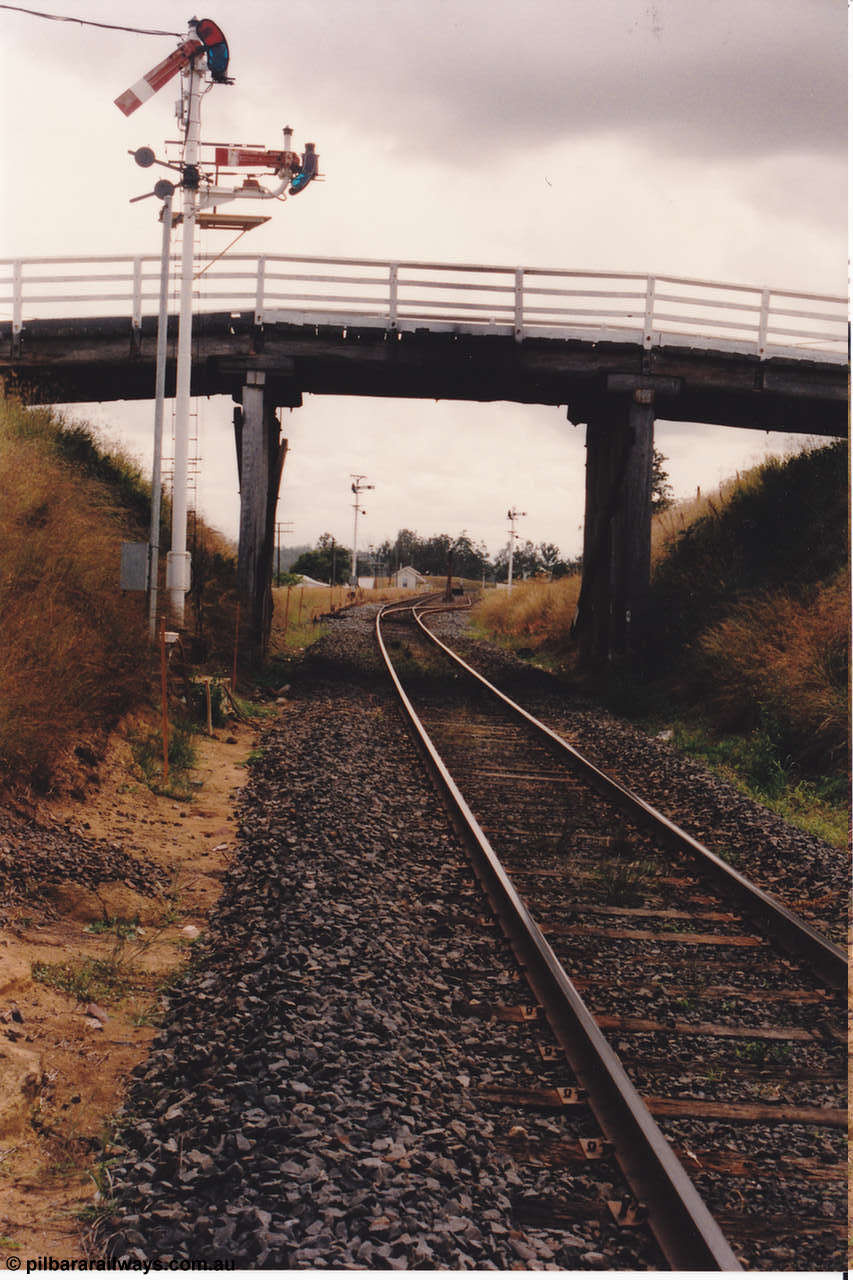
x,y
134,566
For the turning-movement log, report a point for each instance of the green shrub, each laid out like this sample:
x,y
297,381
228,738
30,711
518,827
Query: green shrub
x,y
147,751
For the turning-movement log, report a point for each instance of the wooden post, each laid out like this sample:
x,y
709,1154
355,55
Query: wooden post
x,y
617,529
286,611
592,622
208,705
633,529
254,485
164,699
236,646
262,454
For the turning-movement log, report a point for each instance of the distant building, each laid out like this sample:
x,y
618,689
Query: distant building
x,y
408,578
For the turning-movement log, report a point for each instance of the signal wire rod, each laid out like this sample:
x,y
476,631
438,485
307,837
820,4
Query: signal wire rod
x,y
88,22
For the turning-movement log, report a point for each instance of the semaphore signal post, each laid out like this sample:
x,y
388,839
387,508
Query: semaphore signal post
x,y
201,60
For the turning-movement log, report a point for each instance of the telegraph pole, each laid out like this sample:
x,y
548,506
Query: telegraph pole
x,y
358,488
512,515
287,525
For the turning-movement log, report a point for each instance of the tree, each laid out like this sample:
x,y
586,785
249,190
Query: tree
x,y
662,493
552,563
319,562
548,554
406,546
470,560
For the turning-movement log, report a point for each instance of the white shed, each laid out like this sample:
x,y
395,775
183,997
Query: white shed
x,y
408,578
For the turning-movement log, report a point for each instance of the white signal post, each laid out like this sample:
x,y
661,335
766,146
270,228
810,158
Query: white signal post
x,y
178,559
204,41
166,192
512,515
358,488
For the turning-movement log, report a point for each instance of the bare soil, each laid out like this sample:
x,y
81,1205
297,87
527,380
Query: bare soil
x,y
64,1061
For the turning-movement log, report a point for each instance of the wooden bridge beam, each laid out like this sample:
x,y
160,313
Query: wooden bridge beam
x,y
617,528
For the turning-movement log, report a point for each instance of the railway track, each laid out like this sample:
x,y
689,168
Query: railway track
x,y
705,1023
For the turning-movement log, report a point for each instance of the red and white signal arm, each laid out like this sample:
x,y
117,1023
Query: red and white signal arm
x,y
250,158
210,38
154,80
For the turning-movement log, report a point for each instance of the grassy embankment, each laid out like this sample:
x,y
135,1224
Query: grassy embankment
x,y
748,655
66,509
75,654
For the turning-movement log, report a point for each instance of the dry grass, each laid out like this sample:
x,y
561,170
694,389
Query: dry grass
x,y
72,643
535,615
783,659
667,525
538,615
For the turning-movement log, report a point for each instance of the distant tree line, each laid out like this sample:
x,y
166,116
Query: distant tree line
x,y
331,561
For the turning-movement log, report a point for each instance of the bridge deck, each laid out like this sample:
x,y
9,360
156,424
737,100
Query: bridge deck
x,y
712,352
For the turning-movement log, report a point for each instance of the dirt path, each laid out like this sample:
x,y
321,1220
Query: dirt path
x,y
63,1070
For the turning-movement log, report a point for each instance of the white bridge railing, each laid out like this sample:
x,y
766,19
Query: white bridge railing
x,y
522,302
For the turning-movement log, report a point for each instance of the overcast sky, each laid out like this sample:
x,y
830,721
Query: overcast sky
x,y
682,138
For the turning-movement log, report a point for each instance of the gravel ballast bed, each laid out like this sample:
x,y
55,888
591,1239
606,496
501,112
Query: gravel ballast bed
x,y
34,856
316,1098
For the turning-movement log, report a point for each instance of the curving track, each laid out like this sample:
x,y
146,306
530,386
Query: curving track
x,y
725,1095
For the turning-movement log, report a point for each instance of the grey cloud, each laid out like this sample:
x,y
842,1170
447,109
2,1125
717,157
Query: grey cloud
x,y
723,78
471,79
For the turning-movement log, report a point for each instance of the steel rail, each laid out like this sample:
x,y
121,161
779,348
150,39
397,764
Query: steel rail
x,y
827,959
682,1223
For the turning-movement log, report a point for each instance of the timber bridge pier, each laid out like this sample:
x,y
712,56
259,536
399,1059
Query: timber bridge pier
x,y
615,349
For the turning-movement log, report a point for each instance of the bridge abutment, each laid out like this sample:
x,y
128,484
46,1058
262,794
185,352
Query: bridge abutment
x,y
617,527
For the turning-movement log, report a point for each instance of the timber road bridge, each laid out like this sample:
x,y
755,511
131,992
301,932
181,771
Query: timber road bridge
x,y
617,349
85,329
